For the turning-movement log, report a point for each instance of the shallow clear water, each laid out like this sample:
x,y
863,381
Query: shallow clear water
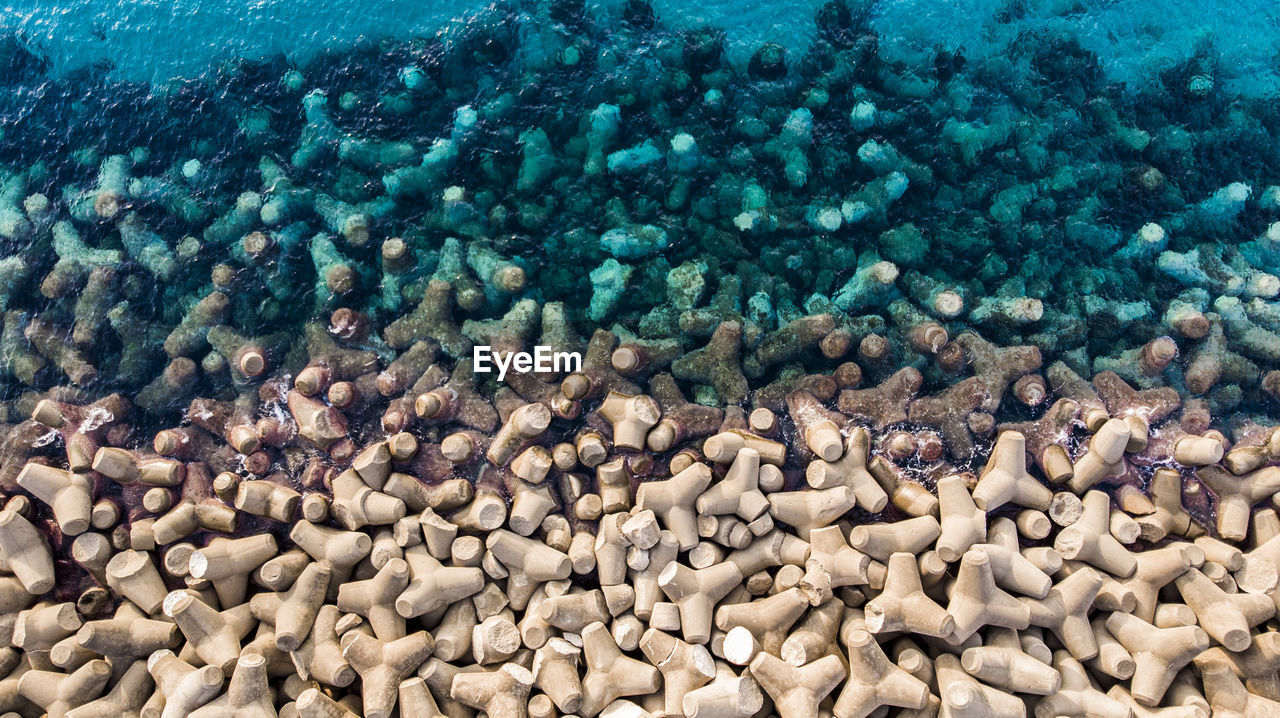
x,y
1075,172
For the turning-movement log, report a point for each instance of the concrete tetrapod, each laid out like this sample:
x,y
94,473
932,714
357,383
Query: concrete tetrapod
x,y
747,565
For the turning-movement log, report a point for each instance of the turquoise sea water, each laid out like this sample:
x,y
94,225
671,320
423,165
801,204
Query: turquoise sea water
x,y
155,40
1080,175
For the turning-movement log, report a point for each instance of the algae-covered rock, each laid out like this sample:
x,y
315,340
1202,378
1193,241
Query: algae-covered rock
x,y
905,245
685,285
608,283
634,241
